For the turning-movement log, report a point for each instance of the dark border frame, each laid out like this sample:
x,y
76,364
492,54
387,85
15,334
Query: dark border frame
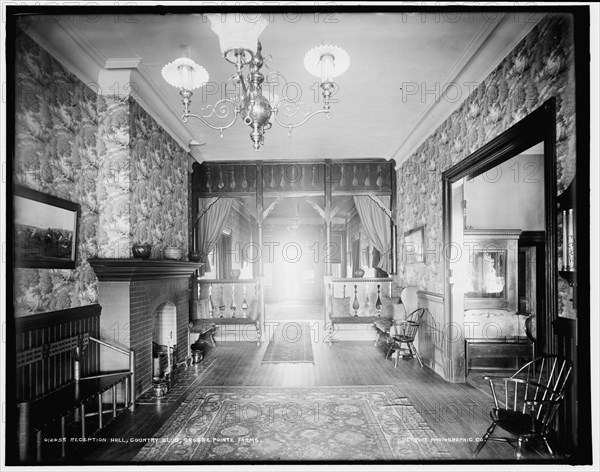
x,y
52,201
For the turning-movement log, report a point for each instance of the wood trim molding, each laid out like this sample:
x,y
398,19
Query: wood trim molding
x,y
431,296
43,320
128,270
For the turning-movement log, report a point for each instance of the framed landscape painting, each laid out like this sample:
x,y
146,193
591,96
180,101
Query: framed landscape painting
x,y
45,230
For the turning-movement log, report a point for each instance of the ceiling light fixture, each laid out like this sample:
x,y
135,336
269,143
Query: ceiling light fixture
x,y
240,46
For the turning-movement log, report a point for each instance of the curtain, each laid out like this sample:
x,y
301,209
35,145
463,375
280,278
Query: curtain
x,y
377,226
211,224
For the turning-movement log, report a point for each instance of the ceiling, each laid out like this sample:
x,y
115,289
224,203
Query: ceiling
x,y
399,64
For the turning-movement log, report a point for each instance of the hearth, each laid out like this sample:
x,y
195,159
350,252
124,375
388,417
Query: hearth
x,y
145,303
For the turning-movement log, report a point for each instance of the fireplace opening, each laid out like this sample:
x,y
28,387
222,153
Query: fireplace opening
x,y
164,348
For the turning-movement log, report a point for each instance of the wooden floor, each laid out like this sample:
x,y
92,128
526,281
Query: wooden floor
x,y
451,410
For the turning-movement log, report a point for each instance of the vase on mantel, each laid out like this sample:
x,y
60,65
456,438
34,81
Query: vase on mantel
x,y
141,251
173,253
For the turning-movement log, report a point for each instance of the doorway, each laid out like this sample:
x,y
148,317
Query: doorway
x,y
535,134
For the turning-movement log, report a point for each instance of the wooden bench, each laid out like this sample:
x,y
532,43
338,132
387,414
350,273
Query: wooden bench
x,y
354,305
232,306
67,409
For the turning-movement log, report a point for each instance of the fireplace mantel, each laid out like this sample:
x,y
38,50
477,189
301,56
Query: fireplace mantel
x,y
128,270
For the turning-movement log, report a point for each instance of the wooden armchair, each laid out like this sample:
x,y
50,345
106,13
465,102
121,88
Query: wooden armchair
x,y
526,402
404,332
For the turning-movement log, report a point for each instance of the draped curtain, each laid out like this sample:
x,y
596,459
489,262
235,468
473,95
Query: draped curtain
x,y
377,226
211,224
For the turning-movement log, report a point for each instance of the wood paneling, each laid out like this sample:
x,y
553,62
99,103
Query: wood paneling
x,y
49,373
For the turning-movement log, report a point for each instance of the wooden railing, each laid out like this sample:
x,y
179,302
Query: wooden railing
x,y
365,294
229,298
59,379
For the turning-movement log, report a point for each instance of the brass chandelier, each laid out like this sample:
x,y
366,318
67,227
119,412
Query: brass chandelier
x,y
238,39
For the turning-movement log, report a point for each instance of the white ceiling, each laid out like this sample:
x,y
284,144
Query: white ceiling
x,y
374,117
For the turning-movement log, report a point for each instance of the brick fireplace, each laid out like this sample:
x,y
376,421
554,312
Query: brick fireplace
x,y
130,292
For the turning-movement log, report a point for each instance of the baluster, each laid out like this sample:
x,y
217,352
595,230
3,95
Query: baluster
x,y
244,180
221,183
314,172
355,304
282,183
210,302
294,176
342,182
368,178
233,306
222,303
379,180
232,183
208,176
355,179
244,305
378,302
272,181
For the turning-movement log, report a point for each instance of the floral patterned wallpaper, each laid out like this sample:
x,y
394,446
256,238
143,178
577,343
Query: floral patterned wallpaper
x,y
539,68
105,153
158,186
56,127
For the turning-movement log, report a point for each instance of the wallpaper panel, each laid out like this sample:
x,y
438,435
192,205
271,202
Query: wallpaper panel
x,y
540,67
56,125
158,193
105,153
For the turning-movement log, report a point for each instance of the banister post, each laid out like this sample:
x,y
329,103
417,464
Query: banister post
x,y
132,381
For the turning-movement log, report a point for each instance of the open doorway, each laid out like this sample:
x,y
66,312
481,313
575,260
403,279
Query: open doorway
x,y
294,235
507,220
504,233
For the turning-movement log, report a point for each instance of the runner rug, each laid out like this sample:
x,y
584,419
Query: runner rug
x,y
249,424
290,343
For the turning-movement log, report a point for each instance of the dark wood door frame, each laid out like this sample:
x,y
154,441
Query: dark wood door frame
x,y
539,126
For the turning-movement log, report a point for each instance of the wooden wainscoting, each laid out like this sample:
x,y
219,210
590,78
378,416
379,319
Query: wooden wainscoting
x,y
49,373
431,337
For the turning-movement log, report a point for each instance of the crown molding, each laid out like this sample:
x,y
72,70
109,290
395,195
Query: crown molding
x,y
162,110
493,42
123,63
69,48
67,44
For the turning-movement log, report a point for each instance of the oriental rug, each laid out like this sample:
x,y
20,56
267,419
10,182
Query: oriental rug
x,y
291,342
263,424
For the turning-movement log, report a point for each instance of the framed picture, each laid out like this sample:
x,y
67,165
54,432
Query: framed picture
x,y
45,230
413,246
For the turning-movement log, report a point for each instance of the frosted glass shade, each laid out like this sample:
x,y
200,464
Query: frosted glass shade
x,y
237,31
326,62
184,73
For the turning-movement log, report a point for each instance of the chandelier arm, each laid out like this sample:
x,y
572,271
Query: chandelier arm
x,y
291,126
185,116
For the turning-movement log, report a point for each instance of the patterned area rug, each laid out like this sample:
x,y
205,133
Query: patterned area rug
x,y
290,343
250,424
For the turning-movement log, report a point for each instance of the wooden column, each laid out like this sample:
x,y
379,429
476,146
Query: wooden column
x,y
328,246
393,222
259,213
328,215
